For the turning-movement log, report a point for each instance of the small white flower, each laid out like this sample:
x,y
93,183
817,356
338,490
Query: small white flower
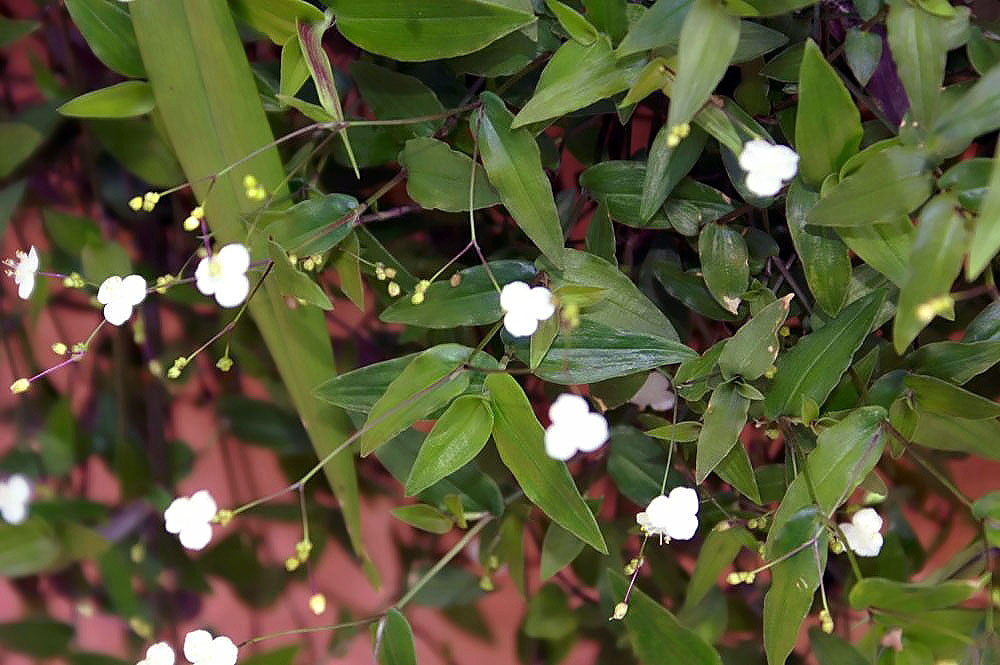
x,y
655,394
202,649
23,271
190,518
158,654
863,532
119,296
673,516
768,166
574,428
524,307
14,496
224,275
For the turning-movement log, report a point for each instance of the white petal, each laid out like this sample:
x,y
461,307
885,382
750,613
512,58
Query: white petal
x,y
234,258
560,442
177,514
753,154
224,652
203,277
203,507
197,645
14,512
684,500
520,324
109,289
541,305
30,262
195,535
18,488
659,510
786,162
871,545
593,432
117,312
682,527
232,291
567,408
867,519
861,542
160,654
26,286
642,519
133,289
763,183
655,393
513,295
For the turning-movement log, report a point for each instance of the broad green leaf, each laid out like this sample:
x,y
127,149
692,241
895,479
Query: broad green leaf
x,y
103,258
395,96
19,140
549,616
887,186
724,264
123,100
691,379
658,27
986,326
684,432
911,597
970,180
475,301
976,437
786,65
768,7
457,437
545,481
756,40
956,362
201,81
825,259
594,352
624,308
507,55
752,350
666,167
106,26
313,226
12,30
943,398
608,16
935,261
514,165
438,177
290,281
359,389
917,41
574,23
834,650
27,548
985,240
735,468
601,235
708,41
42,638
426,29
294,71
429,382
813,367
827,123
559,549
576,77
717,553
863,51
724,420
884,247
424,517
657,637
618,185
140,147
275,18
845,453
394,639
689,288
637,464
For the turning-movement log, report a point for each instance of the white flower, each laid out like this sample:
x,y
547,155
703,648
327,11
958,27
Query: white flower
x,y
119,296
202,649
23,271
574,428
674,516
862,532
224,275
190,518
14,495
655,394
158,654
524,307
768,166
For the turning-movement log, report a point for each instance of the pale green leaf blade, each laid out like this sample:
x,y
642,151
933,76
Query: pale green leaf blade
x,y
457,437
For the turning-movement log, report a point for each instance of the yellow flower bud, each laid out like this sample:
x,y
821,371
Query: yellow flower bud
x,y
423,285
393,289
191,223
249,182
390,273
486,583
140,627
137,553
225,363
784,331
455,280
198,212
59,349
308,264
135,203
417,298
20,386
621,609
223,517
317,603
734,578
291,563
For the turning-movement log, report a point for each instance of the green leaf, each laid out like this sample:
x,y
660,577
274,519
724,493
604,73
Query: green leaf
x,y
20,140
657,637
574,23
824,256
290,281
619,184
956,362
426,29
884,247
348,266
689,288
684,432
504,57
969,179
140,147
275,18
102,259
752,350
545,481
919,48
756,40
935,261
724,420
937,396
358,390
985,240
41,638
12,30
106,26
813,367
863,51
827,123
666,167
429,382
976,437
313,226
724,264
396,645
424,517
294,71
10,199
911,597
708,41
559,549
660,26
768,7
514,165
457,437
889,185
27,548
576,77
395,96
438,177
280,656
983,51
475,301
717,553
834,650
735,469
549,616
593,352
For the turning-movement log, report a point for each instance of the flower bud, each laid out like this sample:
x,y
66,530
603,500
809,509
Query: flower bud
x,y
20,386
417,298
225,363
486,583
191,223
455,280
621,609
223,517
135,203
393,289
734,578
317,603
59,349
291,563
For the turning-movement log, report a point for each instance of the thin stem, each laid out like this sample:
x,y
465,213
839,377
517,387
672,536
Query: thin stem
x,y
311,629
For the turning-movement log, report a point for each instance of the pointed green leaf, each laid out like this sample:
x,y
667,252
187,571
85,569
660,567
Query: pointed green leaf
x,y
752,350
956,362
911,597
573,22
438,177
863,51
313,226
546,482
834,650
735,469
457,437
394,639
559,549
975,437
976,112
724,264
290,281
724,420
106,26
918,41
937,396
660,26
359,389
825,259
275,18
424,517
884,247
985,241
667,166
123,100
717,553
392,95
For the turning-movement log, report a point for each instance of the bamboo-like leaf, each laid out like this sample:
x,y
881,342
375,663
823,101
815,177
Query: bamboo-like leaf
x,y
724,420
123,100
824,256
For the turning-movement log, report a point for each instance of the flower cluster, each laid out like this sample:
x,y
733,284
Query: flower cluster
x,y
120,295
525,307
200,648
673,516
23,271
574,428
224,275
15,493
863,532
768,166
191,519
